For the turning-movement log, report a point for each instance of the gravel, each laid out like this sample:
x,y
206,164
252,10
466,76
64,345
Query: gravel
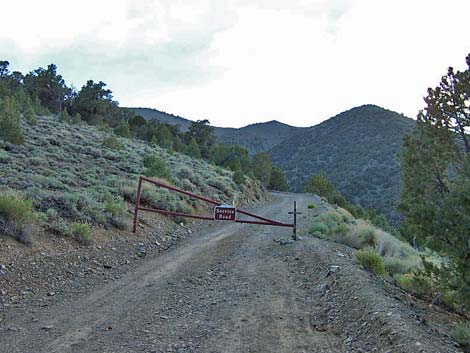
x,y
227,288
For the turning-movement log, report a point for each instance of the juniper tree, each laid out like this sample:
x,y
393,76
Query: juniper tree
x,y
10,129
435,170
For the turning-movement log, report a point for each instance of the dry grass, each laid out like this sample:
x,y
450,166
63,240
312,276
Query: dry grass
x,y
340,226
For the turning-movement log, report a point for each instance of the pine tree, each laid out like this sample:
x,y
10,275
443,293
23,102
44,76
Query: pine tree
x,y
28,113
261,166
178,145
320,184
10,129
164,137
154,140
123,129
278,180
435,169
192,149
239,178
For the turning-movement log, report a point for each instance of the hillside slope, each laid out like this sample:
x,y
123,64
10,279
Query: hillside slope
x,y
357,149
255,137
78,173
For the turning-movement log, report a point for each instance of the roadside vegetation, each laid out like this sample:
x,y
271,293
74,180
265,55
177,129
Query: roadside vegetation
x,y
434,202
435,170
462,335
16,216
387,256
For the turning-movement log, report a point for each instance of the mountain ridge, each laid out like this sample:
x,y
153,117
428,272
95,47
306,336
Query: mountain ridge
x,y
358,151
256,137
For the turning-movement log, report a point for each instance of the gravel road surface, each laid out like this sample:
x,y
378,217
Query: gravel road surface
x,y
235,288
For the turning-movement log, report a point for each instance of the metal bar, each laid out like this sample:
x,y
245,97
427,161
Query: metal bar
x,y
270,221
172,213
137,205
264,223
294,231
184,192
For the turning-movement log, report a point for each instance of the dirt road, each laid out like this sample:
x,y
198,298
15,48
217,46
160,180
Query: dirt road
x,y
235,288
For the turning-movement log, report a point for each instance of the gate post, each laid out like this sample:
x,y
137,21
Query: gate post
x,y
137,205
295,213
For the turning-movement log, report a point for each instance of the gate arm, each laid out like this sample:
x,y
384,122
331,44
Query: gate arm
x,y
261,220
270,221
184,192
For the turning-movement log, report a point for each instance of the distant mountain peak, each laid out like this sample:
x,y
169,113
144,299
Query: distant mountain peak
x,y
357,149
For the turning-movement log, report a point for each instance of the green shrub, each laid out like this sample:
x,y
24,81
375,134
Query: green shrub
x,y
183,207
311,206
185,173
395,265
4,156
218,183
117,210
462,335
349,239
404,281
16,209
371,261
185,184
82,233
60,227
156,167
418,284
16,215
123,129
239,178
112,142
318,229
367,236
335,223
64,116
52,214
454,299
329,224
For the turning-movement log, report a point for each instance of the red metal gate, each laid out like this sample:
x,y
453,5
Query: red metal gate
x,y
221,211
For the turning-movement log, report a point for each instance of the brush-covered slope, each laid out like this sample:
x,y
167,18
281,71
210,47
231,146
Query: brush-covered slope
x,y
357,149
79,173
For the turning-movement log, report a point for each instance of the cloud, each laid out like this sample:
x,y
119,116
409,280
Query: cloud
x,y
240,61
145,45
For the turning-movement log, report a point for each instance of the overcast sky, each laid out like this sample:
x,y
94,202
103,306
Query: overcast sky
x,y
237,62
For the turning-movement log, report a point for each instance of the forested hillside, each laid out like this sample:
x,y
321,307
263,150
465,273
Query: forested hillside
x,y
357,150
259,137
